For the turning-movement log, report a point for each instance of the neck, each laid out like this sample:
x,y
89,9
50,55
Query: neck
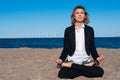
x,y
78,25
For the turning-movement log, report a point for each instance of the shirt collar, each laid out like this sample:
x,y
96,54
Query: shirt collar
x,y
83,26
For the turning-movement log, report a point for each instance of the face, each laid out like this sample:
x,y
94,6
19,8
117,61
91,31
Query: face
x,y
79,15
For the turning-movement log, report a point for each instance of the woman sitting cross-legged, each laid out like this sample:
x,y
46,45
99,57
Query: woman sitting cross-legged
x,y
79,56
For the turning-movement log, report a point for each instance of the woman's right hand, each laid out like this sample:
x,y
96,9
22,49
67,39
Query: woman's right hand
x,y
58,60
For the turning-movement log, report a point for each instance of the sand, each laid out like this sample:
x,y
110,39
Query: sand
x,y
38,64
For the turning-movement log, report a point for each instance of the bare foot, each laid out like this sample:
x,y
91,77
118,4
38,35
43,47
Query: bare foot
x,y
90,64
68,64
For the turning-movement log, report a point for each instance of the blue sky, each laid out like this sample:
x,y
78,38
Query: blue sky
x,y
49,18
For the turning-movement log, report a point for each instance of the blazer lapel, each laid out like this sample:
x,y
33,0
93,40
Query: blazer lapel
x,y
73,39
86,35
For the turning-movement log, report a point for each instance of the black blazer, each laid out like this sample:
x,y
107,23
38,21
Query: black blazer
x,y
69,42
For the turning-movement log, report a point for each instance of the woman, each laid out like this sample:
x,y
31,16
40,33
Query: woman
x,y
79,56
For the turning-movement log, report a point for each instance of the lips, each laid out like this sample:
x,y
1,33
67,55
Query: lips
x,y
79,17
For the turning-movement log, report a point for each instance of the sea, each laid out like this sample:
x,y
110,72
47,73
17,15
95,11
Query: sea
x,y
100,42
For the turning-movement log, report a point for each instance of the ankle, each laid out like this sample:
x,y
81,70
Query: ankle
x,y
89,64
68,64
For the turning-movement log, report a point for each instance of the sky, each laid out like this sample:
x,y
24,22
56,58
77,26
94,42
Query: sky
x,y
49,18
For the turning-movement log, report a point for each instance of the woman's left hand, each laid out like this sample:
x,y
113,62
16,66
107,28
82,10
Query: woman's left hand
x,y
100,58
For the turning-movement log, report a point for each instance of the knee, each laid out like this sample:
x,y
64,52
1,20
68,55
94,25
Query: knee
x,y
60,75
100,73
64,75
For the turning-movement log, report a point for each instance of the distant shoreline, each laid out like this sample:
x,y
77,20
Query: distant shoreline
x,y
53,48
53,37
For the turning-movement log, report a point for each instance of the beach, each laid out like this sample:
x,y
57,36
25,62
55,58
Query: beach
x,y
38,64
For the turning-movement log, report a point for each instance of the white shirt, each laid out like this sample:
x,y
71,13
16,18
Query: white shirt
x,y
80,54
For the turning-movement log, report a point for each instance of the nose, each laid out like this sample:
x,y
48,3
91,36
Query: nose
x,y
79,14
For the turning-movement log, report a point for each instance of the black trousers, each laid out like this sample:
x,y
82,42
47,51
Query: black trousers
x,y
80,70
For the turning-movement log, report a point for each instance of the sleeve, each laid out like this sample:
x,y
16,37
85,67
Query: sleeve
x,y
93,47
65,46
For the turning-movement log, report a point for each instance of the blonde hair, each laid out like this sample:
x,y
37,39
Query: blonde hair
x,y
85,21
